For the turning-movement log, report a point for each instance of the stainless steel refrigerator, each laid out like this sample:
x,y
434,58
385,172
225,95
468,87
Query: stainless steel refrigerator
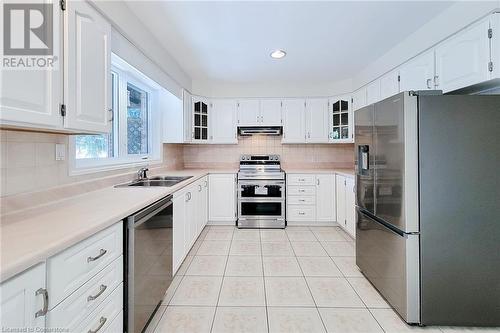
x,y
428,205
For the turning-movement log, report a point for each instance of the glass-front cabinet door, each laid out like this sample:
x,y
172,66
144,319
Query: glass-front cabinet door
x,y
341,120
201,110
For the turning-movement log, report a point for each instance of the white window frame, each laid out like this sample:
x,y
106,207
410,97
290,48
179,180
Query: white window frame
x,y
125,74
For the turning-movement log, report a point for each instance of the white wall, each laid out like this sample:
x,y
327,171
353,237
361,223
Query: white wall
x,y
455,18
128,25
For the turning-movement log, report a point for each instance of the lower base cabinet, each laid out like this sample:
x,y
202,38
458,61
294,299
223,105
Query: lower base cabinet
x,y
346,209
190,217
310,198
88,299
22,303
222,198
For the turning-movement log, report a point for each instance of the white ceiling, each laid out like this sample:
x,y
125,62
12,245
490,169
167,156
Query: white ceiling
x,y
325,41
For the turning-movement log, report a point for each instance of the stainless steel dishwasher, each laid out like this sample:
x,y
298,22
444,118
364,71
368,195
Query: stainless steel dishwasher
x,y
148,263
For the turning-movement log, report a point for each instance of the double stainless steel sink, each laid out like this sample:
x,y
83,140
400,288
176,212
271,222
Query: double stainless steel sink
x,y
164,181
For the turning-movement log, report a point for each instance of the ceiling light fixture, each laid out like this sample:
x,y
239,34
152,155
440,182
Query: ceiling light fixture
x,y
278,54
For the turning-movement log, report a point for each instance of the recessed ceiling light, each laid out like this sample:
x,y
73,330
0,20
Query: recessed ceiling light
x,y
278,54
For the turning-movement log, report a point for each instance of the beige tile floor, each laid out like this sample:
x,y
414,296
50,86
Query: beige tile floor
x,y
302,279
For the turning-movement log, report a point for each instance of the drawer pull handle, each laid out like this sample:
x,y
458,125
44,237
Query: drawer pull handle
x,y
102,321
302,213
302,180
302,200
101,253
302,191
102,288
45,308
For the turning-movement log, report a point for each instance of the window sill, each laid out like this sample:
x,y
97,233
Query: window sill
x,y
119,165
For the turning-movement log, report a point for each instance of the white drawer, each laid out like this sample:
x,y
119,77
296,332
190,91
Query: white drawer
x,y
70,269
301,200
116,325
300,213
100,319
74,309
300,179
302,190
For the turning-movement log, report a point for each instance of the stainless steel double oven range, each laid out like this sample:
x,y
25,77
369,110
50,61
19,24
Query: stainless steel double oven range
x,y
261,192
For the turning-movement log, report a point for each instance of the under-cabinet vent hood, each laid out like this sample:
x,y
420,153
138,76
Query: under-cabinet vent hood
x,y
248,131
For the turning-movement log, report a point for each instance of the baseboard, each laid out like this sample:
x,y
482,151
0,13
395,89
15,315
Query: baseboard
x,y
232,223
312,224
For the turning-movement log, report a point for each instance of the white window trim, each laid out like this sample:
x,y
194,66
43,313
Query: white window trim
x,y
92,165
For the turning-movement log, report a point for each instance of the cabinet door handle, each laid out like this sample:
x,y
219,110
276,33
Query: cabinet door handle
x,y
199,188
102,321
112,115
317,181
436,80
429,83
101,253
102,288
206,183
45,308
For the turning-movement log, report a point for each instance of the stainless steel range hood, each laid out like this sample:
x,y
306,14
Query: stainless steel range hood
x,y
254,130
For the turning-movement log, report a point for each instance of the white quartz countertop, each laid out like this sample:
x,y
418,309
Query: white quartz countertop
x,y
343,172
31,237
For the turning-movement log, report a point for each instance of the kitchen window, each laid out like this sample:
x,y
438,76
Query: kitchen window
x,y
134,137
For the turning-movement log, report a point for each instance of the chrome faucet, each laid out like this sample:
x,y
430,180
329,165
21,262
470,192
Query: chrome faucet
x,y
142,174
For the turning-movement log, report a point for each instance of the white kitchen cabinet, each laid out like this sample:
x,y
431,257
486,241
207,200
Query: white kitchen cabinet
x,y
201,113
32,98
418,73
87,69
317,120
345,202
293,121
373,92
223,121
270,112
310,198
248,112
22,300
325,197
389,84
462,60
187,107
178,235
494,35
350,207
359,99
222,197
203,204
341,120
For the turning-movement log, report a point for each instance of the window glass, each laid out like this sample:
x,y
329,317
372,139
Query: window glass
x,y
137,120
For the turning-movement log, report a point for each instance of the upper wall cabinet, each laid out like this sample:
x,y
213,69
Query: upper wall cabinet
x,y
389,84
270,112
249,112
495,44
317,120
187,107
293,121
359,99
200,117
341,120
32,98
463,60
35,99
223,121
254,112
373,92
418,73
87,92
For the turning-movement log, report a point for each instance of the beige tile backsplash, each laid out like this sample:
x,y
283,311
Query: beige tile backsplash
x,y
292,155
